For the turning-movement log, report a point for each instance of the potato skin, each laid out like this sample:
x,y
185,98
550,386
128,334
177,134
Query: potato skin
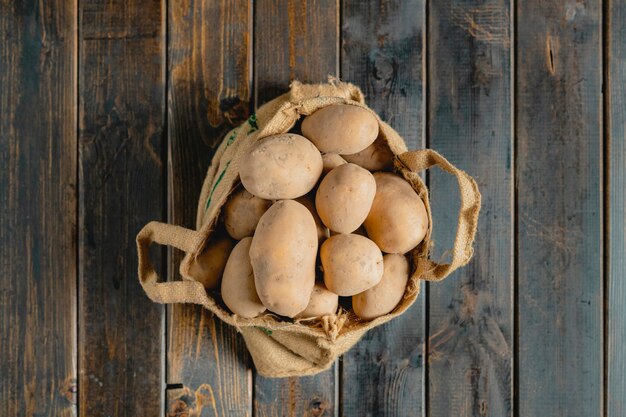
x,y
344,197
351,264
242,212
322,303
397,221
282,254
376,157
331,161
238,290
209,266
382,298
308,201
280,167
341,128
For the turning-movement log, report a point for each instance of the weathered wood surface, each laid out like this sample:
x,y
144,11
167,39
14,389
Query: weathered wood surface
x,y
109,114
38,197
470,316
121,128
209,77
383,52
294,39
615,91
558,110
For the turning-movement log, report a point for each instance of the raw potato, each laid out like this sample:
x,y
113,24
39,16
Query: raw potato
x,y
308,201
351,264
238,290
341,128
344,197
280,167
330,162
376,157
397,221
242,213
208,267
282,254
385,296
323,303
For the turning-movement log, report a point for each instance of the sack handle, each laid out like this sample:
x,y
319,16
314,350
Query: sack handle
x,y
175,291
462,250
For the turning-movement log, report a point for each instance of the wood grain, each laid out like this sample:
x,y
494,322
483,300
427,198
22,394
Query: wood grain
x,y
294,39
209,78
95,97
121,114
559,208
382,52
470,337
307,396
615,86
38,199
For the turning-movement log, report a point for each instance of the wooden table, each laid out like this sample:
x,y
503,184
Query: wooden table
x,y
110,111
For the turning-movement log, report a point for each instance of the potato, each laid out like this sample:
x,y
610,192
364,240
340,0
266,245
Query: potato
x,y
238,290
280,167
322,303
382,298
282,254
351,264
331,161
242,212
208,267
376,157
397,221
344,197
341,128
308,201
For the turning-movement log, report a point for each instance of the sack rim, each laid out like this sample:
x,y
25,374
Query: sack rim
x,y
404,164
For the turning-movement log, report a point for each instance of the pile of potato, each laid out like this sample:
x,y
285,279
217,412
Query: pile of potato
x,y
328,188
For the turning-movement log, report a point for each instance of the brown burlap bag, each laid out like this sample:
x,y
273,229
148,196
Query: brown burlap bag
x,y
282,348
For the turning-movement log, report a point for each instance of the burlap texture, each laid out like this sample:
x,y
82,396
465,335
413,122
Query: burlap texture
x,y
282,348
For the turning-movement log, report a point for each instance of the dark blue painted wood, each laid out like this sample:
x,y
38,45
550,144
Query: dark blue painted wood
x,y
558,129
470,316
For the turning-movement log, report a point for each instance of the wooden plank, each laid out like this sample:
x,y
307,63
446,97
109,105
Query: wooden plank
x,y
559,208
121,113
209,78
382,52
615,86
294,39
470,337
38,208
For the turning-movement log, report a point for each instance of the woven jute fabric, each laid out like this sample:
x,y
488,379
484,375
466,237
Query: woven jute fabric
x,y
281,347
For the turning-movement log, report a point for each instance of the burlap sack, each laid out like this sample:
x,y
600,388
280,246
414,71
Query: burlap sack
x,y
282,348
